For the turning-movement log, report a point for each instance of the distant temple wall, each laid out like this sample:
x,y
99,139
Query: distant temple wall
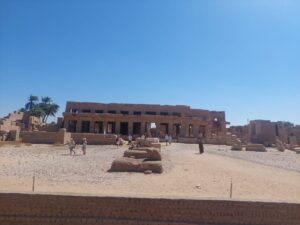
x,y
43,137
150,120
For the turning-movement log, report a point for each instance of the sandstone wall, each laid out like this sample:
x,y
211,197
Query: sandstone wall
x,y
95,139
27,209
43,137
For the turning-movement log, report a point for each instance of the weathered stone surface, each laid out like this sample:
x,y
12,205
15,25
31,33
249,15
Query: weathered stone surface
x,y
148,172
135,154
256,147
150,154
148,142
135,165
279,145
236,147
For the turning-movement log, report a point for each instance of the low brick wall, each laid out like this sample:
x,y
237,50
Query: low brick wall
x,y
95,139
43,137
27,209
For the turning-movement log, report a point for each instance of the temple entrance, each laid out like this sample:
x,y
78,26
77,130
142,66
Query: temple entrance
x,y
136,128
111,128
85,127
151,129
72,126
176,129
191,130
98,127
164,129
202,131
124,128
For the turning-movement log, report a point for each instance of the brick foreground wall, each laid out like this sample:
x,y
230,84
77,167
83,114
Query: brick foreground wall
x,y
27,209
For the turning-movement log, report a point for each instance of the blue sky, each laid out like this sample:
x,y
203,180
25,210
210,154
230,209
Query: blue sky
x,y
242,57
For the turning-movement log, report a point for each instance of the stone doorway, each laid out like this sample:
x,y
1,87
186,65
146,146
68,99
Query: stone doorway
x,y
85,127
136,128
98,127
111,128
124,128
164,129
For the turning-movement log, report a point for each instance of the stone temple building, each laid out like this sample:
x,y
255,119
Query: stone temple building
x,y
180,121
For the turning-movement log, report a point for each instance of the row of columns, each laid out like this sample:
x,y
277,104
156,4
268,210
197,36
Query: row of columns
x,y
184,127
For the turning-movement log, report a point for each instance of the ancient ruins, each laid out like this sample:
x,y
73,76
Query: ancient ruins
x,y
100,123
144,155
182,122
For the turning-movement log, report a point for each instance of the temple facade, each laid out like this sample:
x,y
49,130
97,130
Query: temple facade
x,y
143,119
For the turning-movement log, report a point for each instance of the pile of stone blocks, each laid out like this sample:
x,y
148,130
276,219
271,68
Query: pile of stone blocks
x,y
256,147
237,144
141,157
147,142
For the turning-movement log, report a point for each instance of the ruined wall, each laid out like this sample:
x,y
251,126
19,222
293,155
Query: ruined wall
x,y
100,139
27,209
43,137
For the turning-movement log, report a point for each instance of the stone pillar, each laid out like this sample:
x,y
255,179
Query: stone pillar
x,y
130,127
117,127
104,127
183,130
157,129
66,123
92,126
195,130
143,127
78,126
170,129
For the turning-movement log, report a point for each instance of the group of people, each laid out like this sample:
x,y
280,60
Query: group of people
x,y
72,146
168,140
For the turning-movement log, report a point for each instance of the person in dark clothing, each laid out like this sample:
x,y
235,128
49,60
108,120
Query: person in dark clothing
x,y
201,147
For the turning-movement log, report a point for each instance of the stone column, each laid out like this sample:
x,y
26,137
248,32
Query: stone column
x,y
92,126
78,126
170,129
104,127
66,123
117,127
157,129
143,127
130,127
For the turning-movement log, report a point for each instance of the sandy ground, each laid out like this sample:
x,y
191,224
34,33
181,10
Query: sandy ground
x,y
268,176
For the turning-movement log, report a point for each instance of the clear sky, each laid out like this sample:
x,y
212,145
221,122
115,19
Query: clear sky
x,y
240,56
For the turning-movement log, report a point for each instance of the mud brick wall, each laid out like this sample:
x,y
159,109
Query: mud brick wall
x,y
29,209
43,137
94,139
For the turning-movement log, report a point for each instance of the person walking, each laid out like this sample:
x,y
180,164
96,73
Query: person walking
x,y
118,141
83,147
72,146
166,139
170,139
201,147
129,139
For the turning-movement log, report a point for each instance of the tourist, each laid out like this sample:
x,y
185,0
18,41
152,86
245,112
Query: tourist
x,y
200,142
118,141
166,139
84,144
129,139
170,139
72,146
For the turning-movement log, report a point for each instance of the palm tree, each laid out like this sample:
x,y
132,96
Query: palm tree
x,y
49,108
32,101
37,111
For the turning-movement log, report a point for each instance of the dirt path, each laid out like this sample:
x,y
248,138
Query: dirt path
x,y
186,174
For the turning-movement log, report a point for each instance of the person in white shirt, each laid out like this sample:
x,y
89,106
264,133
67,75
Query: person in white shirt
x,y
84,144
